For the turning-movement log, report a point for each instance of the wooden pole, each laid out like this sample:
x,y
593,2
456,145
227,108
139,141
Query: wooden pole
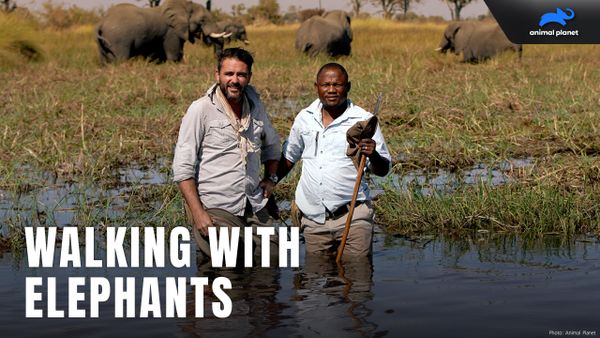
x,y
361,168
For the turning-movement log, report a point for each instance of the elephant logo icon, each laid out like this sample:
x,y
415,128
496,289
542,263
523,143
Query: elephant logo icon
x,y
559,17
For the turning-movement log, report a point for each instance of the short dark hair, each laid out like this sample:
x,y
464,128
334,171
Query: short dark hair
x,y
235,53
333,65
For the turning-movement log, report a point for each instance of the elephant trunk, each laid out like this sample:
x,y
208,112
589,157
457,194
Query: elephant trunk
x,y
444,46
571,16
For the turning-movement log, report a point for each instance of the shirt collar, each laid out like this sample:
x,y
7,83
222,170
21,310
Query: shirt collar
x,y
315,110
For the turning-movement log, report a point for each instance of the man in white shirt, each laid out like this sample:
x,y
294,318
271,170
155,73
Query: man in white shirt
x,y
323,194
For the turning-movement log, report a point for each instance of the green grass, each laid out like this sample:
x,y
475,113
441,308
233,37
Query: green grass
x,y
531,210
19,41
69,116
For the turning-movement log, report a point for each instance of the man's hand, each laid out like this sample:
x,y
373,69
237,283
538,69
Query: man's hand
x,y
200,217
268,186
202,221
379,165
367,146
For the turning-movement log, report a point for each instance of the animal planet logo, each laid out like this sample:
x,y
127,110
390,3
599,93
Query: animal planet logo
x,y
560,17
541,21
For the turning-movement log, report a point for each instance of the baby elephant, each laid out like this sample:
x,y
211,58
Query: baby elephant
x,y
477,41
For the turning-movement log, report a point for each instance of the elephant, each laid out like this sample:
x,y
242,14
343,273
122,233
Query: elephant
x,y
330,33
236,29
233,31
560,17
156,33
478,41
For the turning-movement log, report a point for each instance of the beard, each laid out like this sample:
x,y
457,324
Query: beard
x,y
232,96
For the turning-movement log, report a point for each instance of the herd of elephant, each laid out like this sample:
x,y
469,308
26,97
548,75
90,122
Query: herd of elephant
x,y
159,34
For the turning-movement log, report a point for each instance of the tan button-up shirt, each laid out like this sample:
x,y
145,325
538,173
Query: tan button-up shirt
x,y
208,151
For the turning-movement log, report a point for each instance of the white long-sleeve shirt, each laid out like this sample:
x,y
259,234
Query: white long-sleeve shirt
x,y
328,175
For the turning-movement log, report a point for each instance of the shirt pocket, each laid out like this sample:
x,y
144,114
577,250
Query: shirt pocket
x,y
221,132
338,143
310,138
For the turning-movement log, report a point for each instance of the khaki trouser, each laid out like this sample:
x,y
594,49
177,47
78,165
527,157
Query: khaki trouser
x,y
259,219
325,238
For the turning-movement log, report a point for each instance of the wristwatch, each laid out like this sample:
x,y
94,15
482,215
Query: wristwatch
x,y
274,178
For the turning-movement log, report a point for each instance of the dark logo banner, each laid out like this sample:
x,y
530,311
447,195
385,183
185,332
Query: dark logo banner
x,y
548,21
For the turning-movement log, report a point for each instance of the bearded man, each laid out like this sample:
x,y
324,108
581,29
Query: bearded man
x,y
223,139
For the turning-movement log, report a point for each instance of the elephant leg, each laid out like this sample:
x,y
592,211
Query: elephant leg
x,y
173,48
468,55
113,50
218,47
119,51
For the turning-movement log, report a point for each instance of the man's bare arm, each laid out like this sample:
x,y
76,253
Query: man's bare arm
x,y
201,218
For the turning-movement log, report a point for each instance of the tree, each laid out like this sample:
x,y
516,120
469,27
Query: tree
x,y
8,5
405,6
456,7
238,10
152,3
388,7
356,6
267,10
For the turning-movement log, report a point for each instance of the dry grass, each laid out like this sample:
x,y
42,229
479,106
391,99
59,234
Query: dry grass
x,y
70,116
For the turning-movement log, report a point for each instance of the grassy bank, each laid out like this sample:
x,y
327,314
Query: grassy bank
x,y
67,116
530,210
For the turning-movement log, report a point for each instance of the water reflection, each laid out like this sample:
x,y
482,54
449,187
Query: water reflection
x,y
482,286
255,310
330,299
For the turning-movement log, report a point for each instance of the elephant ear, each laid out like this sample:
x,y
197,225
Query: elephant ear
x,y
349,28
451,35
177,14
342,19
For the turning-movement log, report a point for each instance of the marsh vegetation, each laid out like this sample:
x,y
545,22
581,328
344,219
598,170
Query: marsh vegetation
x,y
67,119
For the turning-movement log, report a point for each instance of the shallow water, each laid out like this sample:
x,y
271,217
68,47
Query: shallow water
x,y
444,181
54,202
430,287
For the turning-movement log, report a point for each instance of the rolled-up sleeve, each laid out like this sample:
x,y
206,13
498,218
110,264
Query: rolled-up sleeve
x,y
190,138
271,147
294,145
381,147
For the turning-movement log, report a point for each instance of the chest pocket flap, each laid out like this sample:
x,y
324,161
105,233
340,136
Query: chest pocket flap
x,y
221,131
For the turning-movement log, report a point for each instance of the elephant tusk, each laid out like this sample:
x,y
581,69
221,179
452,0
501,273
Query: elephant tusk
x,y
438,49
227,35
247,42
216,35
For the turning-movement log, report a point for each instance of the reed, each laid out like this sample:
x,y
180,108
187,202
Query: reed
x,y
532,210
70,118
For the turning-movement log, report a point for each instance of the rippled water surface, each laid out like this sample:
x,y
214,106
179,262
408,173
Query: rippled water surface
x,y
427,287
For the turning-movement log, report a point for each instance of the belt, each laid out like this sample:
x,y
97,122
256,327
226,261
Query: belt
x,y
337,213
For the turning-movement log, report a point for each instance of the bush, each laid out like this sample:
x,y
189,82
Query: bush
x,y
18,41
59,17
